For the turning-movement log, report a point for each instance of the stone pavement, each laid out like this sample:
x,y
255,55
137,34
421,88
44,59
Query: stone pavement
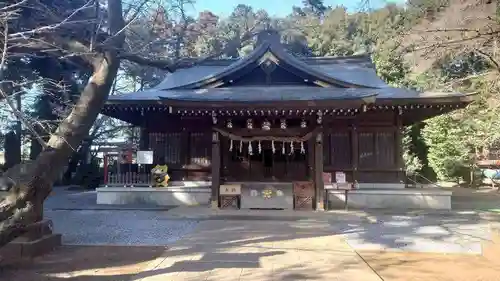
x,y
351,215
81,263
207,213
259,250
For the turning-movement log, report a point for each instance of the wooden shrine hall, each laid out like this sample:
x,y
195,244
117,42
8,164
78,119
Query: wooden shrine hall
x,y
275,131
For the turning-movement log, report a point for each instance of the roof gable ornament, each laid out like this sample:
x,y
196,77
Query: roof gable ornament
x,y
268,57
268,63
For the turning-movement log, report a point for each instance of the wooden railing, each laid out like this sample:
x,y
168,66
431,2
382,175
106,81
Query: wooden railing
x,y
128,179
420,181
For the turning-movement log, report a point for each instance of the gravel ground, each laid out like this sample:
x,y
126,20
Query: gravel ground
x,y
90,227
83,222
419,234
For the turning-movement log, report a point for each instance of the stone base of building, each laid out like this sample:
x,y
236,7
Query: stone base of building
x,y
159,196
381,185
37,242
366,197
214,204
391,199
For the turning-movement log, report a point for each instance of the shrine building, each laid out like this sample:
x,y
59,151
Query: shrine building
x,y
276,131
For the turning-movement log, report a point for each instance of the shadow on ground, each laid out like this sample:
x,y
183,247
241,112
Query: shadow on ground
x,y
252,253
82,263
249,250
287,250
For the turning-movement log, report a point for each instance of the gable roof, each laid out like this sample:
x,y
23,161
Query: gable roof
x,y
352,77
355,71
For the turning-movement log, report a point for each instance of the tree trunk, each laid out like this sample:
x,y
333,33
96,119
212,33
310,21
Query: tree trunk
x,y
35,148
23,206
72,167
12,149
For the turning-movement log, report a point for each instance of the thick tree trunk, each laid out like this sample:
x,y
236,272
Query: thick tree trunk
x,y
71,170
24,204
35,148
12,149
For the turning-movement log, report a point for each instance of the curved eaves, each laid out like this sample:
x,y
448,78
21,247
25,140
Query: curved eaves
x,y
289,59
292,64
187,76
265,94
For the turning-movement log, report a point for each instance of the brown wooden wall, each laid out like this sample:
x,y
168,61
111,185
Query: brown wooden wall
x,y
367,149
188,154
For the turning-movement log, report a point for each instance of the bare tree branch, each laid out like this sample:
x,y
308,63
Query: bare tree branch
x,y
15,110
34,182
452,42
490,58
172,66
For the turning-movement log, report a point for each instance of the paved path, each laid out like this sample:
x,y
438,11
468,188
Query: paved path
x,y
259,250
447,232
459,234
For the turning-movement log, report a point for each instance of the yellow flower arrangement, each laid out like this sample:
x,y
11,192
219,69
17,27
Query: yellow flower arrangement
x,y
267,194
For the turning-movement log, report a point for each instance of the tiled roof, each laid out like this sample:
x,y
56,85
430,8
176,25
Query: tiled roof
x,y
277,93
351,77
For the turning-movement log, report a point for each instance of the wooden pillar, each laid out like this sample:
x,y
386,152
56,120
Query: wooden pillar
x,y
144,139
398,142
105,168
215,170
224,145
311,144
185,152
318,173
354,154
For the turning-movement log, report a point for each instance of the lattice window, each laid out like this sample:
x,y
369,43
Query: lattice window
x,y
376,149
366,146
340,146
385,142
173,148
166,145
200,151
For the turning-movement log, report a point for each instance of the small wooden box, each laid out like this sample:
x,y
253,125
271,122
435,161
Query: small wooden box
x,y
230,189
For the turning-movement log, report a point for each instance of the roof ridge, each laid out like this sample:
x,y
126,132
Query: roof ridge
x,y
354,59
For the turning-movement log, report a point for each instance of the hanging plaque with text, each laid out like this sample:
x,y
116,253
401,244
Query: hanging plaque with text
x,y
340,177
144,157
327,178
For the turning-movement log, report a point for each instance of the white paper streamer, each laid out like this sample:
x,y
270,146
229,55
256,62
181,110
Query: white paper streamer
x,y
241,146
291,147
283,150
260,148
302,149
231,145
250,151
273,147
